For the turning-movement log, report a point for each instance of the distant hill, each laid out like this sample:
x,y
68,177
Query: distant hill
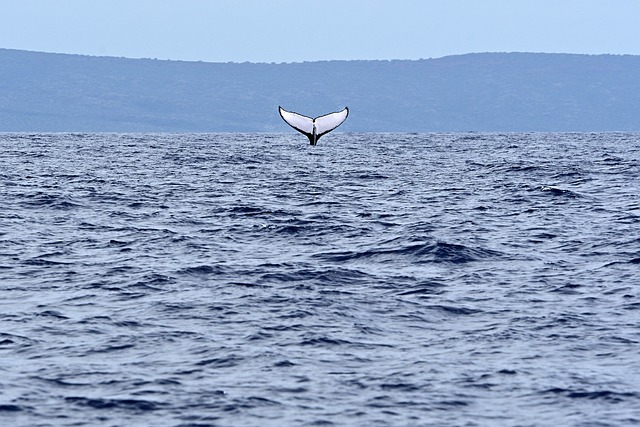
x,y
474,92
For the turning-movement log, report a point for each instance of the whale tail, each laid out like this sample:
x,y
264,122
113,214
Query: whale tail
x,y
314,128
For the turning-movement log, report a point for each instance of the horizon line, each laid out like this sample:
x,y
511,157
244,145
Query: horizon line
x,y
315,60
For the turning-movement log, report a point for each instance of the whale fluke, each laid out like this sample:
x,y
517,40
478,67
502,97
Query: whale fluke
x,y
314,128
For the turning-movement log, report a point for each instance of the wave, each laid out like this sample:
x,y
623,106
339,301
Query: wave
x,y
417,252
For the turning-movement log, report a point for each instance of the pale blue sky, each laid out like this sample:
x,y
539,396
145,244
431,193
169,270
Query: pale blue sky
x,y
309,30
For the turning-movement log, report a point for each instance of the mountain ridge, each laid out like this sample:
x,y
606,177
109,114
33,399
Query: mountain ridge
x,y
470,92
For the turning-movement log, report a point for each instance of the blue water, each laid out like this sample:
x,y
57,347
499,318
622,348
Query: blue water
x,y
374,279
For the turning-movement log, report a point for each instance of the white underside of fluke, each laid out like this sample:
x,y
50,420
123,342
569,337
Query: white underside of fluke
x,y
314,128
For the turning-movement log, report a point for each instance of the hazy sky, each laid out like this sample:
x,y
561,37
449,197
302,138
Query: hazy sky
x,y
309,30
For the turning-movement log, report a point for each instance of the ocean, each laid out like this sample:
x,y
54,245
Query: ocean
x,y
376,279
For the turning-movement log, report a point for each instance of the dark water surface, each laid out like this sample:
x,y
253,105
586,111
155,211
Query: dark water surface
x,y
375,279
